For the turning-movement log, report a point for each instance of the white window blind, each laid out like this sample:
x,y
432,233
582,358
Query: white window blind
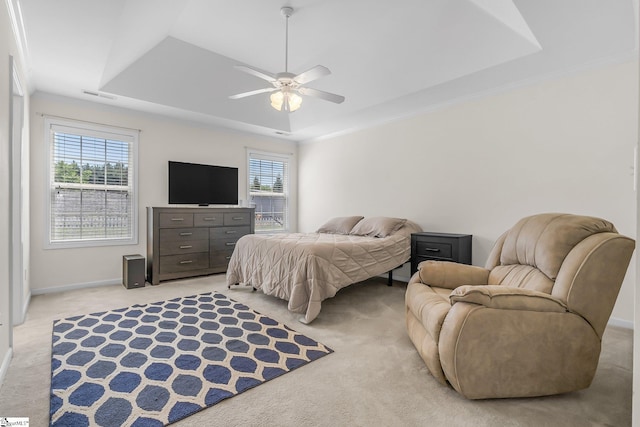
x,y
92,181
269,191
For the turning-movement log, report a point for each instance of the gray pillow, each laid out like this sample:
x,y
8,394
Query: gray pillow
x,y
339,225
379,226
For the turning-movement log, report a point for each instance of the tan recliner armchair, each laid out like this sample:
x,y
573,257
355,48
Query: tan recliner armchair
x,y
531,322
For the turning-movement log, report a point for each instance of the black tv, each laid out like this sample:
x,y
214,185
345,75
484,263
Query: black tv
x,y
192,183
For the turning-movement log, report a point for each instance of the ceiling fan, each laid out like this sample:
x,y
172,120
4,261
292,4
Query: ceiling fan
x,y
287,87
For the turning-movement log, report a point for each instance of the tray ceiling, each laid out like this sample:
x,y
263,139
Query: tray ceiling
x,y
389,59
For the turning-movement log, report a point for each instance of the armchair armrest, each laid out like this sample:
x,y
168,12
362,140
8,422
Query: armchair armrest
x,y
450,275
504,297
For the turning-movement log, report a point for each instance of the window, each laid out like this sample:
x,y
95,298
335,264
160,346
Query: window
x,y
92,198
269,190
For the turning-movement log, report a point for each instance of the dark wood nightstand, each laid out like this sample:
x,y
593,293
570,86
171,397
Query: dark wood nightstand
x,y
439,247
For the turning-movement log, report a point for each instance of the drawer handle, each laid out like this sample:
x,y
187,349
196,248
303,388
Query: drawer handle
x,y
230,243
209,219
186,234
431,250
177,219
186,262
231,231
238,218
228,257
186,246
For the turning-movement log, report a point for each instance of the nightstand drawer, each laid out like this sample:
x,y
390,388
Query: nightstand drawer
x,y
433,249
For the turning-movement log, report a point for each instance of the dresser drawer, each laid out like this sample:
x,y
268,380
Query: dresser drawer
x,y
220,259
176,220
183,234
208,219
174,247
238,218
229,232
185,262
223,244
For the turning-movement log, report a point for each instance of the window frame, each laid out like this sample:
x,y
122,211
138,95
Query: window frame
x,y
286,181
84,128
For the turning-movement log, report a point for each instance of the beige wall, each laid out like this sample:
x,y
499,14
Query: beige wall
x,y
564,145
161,139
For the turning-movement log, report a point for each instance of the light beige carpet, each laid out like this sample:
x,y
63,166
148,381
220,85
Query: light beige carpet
x,y
374,378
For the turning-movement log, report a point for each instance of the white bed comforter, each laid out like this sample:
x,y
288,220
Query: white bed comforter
x,y
307,268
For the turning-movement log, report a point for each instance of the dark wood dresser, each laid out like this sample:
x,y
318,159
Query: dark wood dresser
x,y
186,242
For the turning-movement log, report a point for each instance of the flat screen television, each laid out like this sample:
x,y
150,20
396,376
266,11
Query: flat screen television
x,y
192,183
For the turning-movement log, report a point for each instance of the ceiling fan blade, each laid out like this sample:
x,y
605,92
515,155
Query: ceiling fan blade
x,y
327,96
253,92
258,73
311,74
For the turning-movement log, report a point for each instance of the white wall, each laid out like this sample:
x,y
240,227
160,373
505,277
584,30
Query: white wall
x,y
161,139
564,145
5,51
8,48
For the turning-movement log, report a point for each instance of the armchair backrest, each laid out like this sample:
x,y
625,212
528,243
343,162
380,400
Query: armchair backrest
x,y
580,260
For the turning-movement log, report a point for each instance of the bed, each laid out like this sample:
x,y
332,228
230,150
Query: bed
x,y
307,268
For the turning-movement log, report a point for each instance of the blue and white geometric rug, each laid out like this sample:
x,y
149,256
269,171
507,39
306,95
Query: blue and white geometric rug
x,y
154,364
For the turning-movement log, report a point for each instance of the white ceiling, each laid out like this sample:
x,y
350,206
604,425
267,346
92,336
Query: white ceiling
x,y
389,59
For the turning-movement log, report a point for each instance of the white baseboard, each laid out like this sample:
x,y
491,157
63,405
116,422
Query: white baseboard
x,y
75,286
627,324
5,364
612,321
25,307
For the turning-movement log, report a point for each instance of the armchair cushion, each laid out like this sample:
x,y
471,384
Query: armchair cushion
x,y
543,241
502,297
450,275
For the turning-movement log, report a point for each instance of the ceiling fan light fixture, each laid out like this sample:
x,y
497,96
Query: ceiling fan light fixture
x,y
285,101
288,88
